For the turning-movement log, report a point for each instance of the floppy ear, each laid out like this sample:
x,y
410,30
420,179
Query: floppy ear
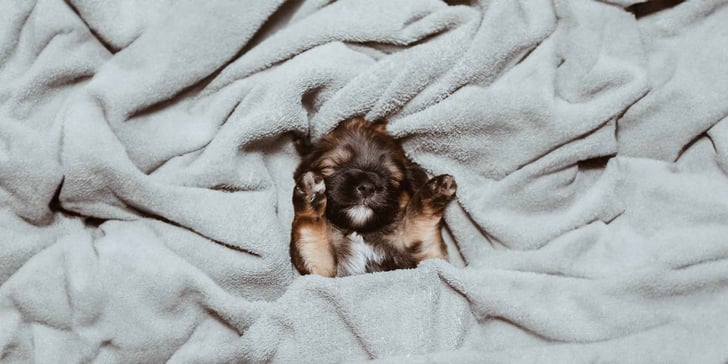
x,y
415,176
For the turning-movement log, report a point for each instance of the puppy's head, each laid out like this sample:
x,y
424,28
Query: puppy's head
x,y
368,178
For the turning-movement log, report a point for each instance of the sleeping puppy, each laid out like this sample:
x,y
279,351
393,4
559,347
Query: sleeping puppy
x,y
361,206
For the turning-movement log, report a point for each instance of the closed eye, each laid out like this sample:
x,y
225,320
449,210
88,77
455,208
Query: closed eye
x,y
327,166
327,171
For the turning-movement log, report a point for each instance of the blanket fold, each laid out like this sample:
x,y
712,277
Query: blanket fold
x,y
146,162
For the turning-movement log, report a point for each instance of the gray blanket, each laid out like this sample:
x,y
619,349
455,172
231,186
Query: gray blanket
x,y
146,164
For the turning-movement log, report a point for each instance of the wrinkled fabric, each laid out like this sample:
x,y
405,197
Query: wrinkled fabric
x,y
146,162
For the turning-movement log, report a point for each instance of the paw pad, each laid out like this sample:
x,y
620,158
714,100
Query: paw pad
x,y
440,190
310,189
443,185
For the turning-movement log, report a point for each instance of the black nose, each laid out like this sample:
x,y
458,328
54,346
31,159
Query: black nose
x,y
365,188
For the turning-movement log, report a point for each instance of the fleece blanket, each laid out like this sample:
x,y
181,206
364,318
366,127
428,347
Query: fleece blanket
x,y
146,160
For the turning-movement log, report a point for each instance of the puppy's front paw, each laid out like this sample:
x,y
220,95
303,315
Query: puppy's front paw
x,y
440,190
309,194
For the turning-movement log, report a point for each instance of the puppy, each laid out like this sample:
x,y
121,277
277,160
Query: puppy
x,y
361,206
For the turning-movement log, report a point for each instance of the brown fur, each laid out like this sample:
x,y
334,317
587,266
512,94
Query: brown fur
x,y
402,233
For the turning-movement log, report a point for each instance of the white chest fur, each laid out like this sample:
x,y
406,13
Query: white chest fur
x,y
361,253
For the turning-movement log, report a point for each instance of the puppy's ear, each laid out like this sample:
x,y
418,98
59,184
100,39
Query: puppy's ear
x,y
415,176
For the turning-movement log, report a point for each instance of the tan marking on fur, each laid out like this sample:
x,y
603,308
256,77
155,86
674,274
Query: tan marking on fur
x,y
312,243
404,199
310,213
357,123
422,225
327,171
428,211
379,127
432,248
395,172
340,155
333,159
425,229
326,162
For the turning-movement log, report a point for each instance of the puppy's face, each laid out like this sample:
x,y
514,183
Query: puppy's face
x,y
366,173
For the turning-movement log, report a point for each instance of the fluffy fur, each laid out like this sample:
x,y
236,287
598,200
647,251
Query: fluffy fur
x,y
361,206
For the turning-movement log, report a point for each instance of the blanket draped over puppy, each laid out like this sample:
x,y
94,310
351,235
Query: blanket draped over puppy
x,y
146,166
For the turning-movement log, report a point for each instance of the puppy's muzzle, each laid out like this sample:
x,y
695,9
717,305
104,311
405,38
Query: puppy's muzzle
x,y
363,184
365,189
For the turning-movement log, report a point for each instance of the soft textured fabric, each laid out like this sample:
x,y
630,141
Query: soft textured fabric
x,y
146,161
